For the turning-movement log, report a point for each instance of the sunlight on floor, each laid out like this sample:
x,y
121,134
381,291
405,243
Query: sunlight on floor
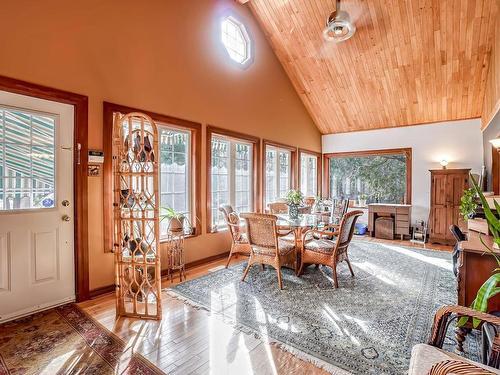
x,y
61,362
380,273
438,262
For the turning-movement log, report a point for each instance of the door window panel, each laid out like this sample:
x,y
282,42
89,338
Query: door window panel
x,y
27,160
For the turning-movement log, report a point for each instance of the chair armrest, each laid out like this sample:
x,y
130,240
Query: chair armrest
x,y
320,232
457,367
283,234
441,322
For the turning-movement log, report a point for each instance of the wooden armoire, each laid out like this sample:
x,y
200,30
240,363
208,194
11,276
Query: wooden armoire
x,y
447,187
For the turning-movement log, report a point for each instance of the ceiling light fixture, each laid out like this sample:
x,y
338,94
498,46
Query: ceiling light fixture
x,y
338,26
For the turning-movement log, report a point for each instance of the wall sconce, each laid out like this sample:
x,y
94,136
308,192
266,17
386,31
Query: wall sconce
x,y
443,163
495,142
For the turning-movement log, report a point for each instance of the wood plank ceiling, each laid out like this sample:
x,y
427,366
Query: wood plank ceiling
x,y
410,61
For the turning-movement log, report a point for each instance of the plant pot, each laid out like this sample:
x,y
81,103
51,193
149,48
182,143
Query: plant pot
x,y
293,211
176,224
362,202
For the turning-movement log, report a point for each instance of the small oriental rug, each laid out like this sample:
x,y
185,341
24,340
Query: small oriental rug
x,y
66,340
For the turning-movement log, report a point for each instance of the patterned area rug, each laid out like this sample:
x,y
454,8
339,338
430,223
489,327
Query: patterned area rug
x,y
367,326
65,340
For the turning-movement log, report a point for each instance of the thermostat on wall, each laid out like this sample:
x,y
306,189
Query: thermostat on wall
x,y
96,156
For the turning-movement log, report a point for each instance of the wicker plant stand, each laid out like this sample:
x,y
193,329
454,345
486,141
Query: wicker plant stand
x,y
175,254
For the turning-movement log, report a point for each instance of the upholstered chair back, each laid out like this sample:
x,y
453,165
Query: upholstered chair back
x,y
346,229
261,229
339,209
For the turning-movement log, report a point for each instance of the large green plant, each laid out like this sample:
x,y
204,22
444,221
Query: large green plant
x,y
468,204
490,288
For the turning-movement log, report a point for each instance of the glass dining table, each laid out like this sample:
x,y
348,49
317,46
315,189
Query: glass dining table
x,y
303,223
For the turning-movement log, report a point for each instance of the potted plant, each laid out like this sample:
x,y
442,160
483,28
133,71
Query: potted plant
x,y
490,287
362,200
294,199
176,223
468,204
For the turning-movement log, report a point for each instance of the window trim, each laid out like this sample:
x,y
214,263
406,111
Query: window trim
x,y
293,166
195,149
302,151
255,141
407,152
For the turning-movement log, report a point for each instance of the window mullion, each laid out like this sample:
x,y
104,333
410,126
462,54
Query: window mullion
x,y
232,172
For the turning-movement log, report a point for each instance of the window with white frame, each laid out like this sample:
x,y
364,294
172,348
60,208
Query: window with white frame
x,y
235,40
175,172
278,173
231,177
27,160
308,175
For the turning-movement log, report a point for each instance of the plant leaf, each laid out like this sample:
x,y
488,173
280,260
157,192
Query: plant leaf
x,y
492,219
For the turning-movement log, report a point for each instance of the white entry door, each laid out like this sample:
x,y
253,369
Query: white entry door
x,y
36,205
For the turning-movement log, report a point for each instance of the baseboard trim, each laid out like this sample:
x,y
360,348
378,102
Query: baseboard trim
x,y
111,288
102,290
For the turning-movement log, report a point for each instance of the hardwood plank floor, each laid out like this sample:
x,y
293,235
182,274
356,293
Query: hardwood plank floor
x,y
190,341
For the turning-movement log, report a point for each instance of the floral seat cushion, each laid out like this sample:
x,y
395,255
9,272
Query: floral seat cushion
x,y
284,247
320,246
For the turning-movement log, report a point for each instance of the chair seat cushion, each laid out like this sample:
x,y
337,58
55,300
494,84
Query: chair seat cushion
x,y
284,247
320,246
423,357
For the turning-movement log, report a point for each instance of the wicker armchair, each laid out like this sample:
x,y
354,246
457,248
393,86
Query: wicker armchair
x,y
318,249
430,359
239,241
267,244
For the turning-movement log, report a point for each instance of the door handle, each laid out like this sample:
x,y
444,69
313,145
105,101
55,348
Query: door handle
x,y
65,218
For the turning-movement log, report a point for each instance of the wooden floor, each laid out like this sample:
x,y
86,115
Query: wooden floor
x,y
190,341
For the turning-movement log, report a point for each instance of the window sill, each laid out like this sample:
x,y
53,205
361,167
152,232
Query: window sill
x,y
221,230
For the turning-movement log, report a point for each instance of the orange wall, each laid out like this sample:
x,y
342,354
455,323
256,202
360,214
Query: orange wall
x,y
160,55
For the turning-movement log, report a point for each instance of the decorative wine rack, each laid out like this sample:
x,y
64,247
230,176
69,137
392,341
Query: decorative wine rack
x,y
136,216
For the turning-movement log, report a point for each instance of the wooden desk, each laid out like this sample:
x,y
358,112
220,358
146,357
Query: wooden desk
x,y
400,212
475,266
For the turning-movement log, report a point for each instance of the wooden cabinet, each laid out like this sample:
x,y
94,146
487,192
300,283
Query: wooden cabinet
x,y
447,186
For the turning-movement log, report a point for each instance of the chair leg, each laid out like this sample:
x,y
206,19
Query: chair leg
x,y
246,270
350,267
301,268
262,266
280,282
229,259
334,271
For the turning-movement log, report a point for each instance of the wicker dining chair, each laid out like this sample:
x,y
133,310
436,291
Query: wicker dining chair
x,y
318,249
430,359
239,241
276,208
267,244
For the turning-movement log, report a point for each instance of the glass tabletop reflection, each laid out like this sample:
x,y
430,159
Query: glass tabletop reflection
x,y
303,221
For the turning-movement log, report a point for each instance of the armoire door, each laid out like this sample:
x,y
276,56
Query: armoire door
x,y
457,183
439,208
